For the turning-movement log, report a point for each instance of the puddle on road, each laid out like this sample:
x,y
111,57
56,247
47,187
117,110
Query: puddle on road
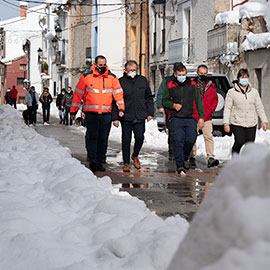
x,y
194,189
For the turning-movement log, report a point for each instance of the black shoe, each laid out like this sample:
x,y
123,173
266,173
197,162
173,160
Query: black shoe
x,y
192,163
93,166
100,168
186,165
181,169
212,162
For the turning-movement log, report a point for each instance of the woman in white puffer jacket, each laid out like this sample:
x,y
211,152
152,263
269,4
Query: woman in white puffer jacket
x,y
243,105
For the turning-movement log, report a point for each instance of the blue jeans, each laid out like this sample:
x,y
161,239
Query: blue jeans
x,y
138,130
184,133
98,128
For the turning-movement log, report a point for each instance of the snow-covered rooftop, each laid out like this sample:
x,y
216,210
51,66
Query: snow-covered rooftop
x,y
251,9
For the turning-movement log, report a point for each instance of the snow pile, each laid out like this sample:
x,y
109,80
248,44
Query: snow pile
x,y
256,41
232,228
252,9
228,17
55,214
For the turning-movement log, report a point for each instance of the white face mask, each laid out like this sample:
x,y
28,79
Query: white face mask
x,y
132,73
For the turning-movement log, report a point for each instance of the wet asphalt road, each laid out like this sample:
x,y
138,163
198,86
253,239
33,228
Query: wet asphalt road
x,y
156,183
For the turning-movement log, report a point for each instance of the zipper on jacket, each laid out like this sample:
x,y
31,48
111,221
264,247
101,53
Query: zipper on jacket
x,y
103,83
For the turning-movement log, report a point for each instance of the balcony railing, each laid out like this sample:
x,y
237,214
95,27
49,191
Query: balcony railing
x,y
223,40
181,50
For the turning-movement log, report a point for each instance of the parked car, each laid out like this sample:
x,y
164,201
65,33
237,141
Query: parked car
x,y
223,84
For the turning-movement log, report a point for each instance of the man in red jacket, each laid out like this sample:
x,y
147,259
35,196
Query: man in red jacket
x,y
13,96
210,100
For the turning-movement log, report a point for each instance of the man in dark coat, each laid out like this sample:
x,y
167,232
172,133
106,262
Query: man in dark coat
x,y
59,105
139,106
66,103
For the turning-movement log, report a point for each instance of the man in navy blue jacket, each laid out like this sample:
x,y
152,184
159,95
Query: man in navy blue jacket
x,y
139,105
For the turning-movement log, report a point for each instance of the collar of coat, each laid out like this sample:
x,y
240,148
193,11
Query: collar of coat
x,y
97,74
238,89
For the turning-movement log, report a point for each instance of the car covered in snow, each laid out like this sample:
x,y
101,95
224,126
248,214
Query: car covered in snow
x,y
222,84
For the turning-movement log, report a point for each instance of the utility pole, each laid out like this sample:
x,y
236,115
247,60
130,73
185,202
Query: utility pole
x,y
147,54
141,20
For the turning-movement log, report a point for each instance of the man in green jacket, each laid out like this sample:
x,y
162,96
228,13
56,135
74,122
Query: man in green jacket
x,y
180,96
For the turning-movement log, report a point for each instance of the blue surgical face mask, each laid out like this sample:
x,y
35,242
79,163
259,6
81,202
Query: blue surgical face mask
x,y
181,79
243,81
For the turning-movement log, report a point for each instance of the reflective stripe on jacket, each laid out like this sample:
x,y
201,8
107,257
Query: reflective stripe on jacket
x,y
98,92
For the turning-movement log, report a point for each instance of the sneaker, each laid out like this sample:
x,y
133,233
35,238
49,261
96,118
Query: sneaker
x,y
93,166
137,163
186,165
192,162
100,168
212,162
30,125
181,170
46,124
126,168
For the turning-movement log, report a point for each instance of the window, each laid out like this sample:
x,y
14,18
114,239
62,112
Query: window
x,y
22,66
20,81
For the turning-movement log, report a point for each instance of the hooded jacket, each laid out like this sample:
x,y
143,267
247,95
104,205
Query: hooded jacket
x,y
242,108
209,99
98,91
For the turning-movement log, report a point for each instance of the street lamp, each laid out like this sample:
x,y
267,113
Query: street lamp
x,y
39,51
58,32
55,43
159,6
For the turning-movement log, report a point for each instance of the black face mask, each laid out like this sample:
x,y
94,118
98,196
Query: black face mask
x,y
202,78
101,70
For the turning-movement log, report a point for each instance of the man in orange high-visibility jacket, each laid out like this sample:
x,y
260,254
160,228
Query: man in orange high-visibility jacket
x,y
98,88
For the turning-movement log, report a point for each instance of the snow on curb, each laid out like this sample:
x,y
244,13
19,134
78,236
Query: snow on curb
x,y
55,214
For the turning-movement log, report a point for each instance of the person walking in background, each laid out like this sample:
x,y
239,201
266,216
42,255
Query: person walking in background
x,y
31,100
179,96
98,88
139,105
209,99
242,107
7,97
13,96
60,106
66,103
46,100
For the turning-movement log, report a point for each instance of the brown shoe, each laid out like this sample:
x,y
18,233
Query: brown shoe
x,y
137,163
126,168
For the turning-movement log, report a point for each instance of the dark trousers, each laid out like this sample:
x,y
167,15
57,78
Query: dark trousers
x,y
138,129
67,116
32,114
13,102
98,129
170,138
106,144
184,133
242,135
46,113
